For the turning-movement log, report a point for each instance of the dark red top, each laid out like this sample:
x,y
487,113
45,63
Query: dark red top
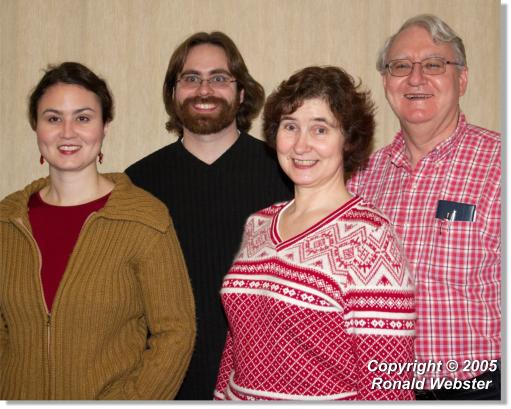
x,y
56,230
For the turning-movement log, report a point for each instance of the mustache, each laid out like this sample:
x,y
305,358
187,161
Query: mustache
x,y
204,100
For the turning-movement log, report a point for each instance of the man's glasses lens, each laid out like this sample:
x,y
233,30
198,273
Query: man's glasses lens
x,y
429,66
216,81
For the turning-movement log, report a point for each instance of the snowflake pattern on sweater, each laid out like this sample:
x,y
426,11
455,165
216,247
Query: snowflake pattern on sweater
x,y
308,314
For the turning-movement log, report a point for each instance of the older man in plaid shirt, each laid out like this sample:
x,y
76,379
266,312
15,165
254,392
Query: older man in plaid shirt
x,y
439,182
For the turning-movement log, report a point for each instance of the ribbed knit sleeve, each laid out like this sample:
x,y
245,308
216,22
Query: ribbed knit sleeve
x,y
169,311
4,334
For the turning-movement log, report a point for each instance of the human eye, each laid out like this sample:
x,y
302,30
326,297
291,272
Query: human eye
x,y
52,118
219,79
83,118
433,64
191,79
400,65
288,126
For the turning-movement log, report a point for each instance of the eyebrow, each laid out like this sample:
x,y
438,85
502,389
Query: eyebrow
x,y
432,55
317,119
212,72
76,111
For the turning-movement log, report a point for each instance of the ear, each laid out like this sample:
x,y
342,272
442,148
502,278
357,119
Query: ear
x,y
242,96
463,81
105,128
384,80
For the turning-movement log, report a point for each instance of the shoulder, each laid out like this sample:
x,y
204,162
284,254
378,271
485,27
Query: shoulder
x,y
370,224
377,163
251,143
377,250
476,137
483,132
268,212
158,158
366,213
129,202
476,154
15,204
251,140
381,156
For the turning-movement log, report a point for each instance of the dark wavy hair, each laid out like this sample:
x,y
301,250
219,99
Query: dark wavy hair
x,y
254,92
71,73
353,108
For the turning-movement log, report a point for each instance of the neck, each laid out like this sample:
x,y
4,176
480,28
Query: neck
x,y
208,148
327,197
74,188
420,139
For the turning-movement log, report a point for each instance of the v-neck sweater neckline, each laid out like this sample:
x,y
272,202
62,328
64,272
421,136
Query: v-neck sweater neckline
x,y
281,243
218,162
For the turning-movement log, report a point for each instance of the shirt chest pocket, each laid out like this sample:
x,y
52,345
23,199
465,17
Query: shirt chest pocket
x,y
456,251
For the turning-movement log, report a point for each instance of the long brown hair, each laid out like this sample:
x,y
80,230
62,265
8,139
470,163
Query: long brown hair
x,y
253,91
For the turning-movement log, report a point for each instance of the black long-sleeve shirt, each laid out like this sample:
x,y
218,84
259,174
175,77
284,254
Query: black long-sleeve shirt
x,y
209,205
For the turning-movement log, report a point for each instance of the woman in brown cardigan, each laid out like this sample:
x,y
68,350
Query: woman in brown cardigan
x,y
95,300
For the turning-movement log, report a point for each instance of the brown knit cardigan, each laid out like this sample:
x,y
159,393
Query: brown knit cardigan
x,y
122,324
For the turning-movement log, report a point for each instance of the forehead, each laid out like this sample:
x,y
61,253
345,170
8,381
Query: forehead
x,y
314,108
416,42
62,94
206,58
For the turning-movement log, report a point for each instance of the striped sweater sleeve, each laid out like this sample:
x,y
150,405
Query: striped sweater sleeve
x,y
224,372
380,314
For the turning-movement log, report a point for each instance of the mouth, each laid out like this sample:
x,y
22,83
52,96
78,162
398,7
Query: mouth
x,y
69,149
204,106
304,163
417,97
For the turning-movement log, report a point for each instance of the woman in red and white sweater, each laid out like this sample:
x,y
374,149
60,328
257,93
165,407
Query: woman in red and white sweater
x,y
319,295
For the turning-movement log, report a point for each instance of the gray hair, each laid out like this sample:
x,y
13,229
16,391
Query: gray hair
x,y
439,31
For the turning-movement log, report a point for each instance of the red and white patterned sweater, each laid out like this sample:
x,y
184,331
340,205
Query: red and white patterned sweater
x,y
308,314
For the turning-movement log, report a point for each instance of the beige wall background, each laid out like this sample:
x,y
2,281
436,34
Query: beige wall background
x,y
129,43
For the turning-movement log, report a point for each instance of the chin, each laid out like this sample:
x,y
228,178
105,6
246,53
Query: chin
x,y
302,182
70,167
418,117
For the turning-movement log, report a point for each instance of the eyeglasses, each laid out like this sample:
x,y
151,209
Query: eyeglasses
x,y
429,66
218,81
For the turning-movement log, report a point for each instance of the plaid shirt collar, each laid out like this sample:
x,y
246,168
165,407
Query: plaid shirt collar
x,y
397,149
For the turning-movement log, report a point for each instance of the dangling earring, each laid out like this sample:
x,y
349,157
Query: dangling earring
x,y
41,160
100,156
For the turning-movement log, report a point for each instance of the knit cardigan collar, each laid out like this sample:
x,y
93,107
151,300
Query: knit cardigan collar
x,y
126,202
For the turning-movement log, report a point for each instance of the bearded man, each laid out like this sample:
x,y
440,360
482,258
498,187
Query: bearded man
x,y
211,179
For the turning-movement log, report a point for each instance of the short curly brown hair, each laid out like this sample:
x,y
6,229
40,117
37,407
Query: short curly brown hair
x,y
353,108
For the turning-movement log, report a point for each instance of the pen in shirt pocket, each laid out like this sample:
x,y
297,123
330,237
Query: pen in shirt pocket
x,y
448,211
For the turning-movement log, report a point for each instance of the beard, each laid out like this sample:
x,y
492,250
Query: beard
x,y
204,124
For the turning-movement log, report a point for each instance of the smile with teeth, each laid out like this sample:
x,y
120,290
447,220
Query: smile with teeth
x,y
69,149
417,96
204,106
304,163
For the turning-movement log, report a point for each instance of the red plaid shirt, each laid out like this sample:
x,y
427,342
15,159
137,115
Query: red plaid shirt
x,y
456,264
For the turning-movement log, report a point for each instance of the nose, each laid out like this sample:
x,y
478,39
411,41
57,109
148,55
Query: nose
x,y
68,128
205,88
302,143
416,77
